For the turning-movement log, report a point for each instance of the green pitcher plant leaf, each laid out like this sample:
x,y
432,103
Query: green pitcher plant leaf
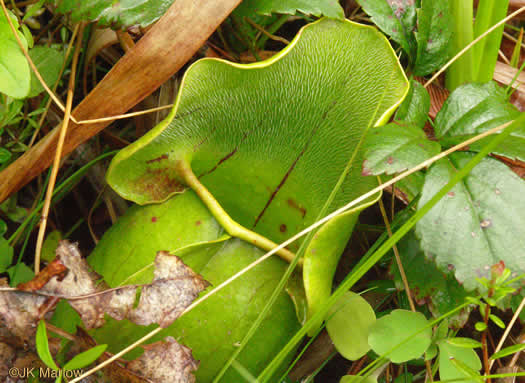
x,y
479,223
475,108
270,140
185,227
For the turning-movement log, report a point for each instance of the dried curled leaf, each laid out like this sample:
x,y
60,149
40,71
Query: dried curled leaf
x,y
69,277
165,361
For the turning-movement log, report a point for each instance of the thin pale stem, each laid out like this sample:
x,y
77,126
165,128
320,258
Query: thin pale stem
x,y
58,154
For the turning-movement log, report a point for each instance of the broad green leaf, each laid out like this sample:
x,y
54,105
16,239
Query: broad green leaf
x,y
348,324
508,351
439,289
85,358
20,273
121,14
414,108
270,140
389,335
396,18
358,379
42,346
447,369
6,254
14,68
396,147
463,342
48,61
322,256
5,155
330,8
50,245
213,328
475,108
479,223
434,31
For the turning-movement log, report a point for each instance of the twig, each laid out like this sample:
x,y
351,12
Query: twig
x,y
58,153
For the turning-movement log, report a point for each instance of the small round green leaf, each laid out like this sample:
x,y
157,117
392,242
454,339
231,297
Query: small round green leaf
x,y
480,326
449,370
348,324
400,336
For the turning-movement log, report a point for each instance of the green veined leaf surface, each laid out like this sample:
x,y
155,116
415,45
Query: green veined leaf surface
x,y
479,223
475,108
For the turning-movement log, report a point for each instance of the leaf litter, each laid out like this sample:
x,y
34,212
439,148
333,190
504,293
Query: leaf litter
x,y
174,287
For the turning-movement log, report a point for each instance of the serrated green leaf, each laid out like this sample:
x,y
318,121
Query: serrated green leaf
x,y
85,358
120,14
396,147
329,8
434,31
392,331
397,20
448,370
414,108
478,223
348,324
508,351
473,109
440,289
48,61
464,342
42,346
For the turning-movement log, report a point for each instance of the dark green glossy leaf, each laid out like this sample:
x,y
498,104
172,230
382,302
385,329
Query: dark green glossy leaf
x,y
348,324
389,335
414,108
433,36
448,370
212,330
475,108
330,8
479,223
397,18
114,14
396,147
439,289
